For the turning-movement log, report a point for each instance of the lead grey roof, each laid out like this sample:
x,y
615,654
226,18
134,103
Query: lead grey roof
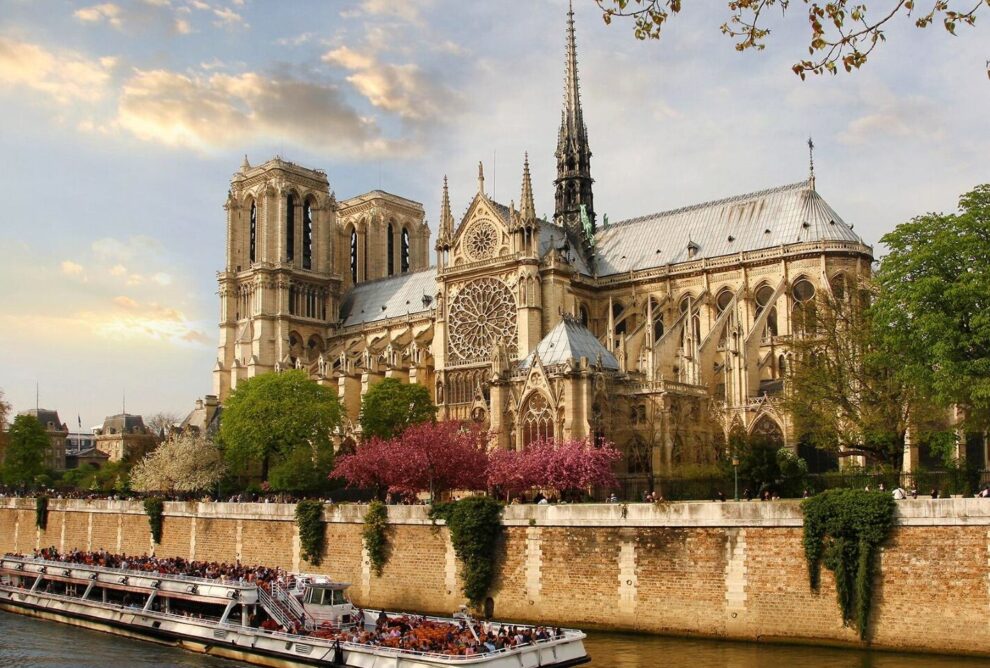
x,y
555,236
571,340
46,417
389,297
788,214
124,423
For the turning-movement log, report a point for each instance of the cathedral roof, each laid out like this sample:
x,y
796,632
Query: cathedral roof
x,y
788,214
570,340
555,236
389,297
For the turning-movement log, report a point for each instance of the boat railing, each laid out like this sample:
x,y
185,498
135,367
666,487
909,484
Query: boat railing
x,y
133,572
276,611
280,594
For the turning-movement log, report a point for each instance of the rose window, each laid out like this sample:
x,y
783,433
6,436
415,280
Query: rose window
x,y
482,314
481,240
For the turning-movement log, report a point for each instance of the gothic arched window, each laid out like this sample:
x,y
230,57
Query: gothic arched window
x,y
307,241
722,301
390,248
803,311
253,231
290,227
354,255
537,419
404,258
617,310
764,295
657,319
767,432
583,311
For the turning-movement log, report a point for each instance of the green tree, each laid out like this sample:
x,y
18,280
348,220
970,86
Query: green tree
x,y
845,392
843,32
25,452
269,416
304,470
934,304
391,406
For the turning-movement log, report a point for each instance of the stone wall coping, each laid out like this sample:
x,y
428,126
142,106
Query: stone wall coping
x,y
782,513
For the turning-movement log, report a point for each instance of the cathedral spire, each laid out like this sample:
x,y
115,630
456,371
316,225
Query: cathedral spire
x,y
481,178
527,208
573,117
446,232
574,202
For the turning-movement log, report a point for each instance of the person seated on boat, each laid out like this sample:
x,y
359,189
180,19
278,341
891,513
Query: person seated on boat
x,y
381,621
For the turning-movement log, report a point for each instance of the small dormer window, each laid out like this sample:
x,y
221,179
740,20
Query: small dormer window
x,y
692,249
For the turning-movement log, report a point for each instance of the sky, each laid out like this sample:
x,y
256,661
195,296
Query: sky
x,y
122,122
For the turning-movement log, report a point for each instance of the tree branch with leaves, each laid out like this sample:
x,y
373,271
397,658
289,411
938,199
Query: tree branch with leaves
x,y
843,33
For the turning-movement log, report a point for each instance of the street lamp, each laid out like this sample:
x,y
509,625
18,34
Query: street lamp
x,y
735,470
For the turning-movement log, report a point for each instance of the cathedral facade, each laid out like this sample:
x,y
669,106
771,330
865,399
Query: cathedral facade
x,y
659,332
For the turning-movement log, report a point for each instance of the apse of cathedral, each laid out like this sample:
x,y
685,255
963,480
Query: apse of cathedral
x,y
660,332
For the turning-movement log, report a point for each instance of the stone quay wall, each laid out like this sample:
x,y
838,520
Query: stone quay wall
x,y
724,570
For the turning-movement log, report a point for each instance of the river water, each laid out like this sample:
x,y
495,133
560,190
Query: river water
x,y
32,643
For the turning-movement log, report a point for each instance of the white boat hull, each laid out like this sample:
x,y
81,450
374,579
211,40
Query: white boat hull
x,y
266,648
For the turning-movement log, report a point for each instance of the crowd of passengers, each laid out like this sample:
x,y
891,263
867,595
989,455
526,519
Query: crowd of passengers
x,y
400,632
420,634
222,571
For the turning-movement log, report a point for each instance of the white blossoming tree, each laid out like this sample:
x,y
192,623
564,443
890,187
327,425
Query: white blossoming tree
x,y
183,463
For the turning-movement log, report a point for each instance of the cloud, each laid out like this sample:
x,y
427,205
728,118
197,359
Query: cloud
x,y
136,247
348,58
106,11
406,11
152,310
125,302
227,111
66,77
228,18
182,26
400,89
70,268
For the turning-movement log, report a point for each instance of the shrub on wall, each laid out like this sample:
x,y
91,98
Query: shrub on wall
x,y
375,535
475,524
41,512
154,507
843,528
312,530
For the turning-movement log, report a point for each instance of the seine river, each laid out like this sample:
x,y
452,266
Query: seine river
x,y
30,643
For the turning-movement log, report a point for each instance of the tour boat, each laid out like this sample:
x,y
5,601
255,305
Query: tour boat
x,y
220,617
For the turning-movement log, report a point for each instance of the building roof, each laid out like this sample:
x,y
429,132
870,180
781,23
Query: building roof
x,y
124,423
389,297
789,214
555,236
48,418
570,340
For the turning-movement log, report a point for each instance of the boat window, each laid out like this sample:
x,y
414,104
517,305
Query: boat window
x,y
338,597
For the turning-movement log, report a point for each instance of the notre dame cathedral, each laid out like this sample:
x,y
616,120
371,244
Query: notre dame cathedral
x,y
660,332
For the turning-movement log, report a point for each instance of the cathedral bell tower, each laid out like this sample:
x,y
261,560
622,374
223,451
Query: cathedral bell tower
x,y
575,207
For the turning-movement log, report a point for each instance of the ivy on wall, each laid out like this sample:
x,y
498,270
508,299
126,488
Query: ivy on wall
x,y
375,536
312,530
475,525
41,512
843,529
154,506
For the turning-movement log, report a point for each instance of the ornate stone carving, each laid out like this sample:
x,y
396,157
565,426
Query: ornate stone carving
x,y
481,240
482,314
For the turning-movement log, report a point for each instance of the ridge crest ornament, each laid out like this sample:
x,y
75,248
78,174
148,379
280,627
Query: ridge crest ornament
x,y
482,315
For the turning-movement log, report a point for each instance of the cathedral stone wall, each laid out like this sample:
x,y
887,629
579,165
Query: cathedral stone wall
x,y
718,570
